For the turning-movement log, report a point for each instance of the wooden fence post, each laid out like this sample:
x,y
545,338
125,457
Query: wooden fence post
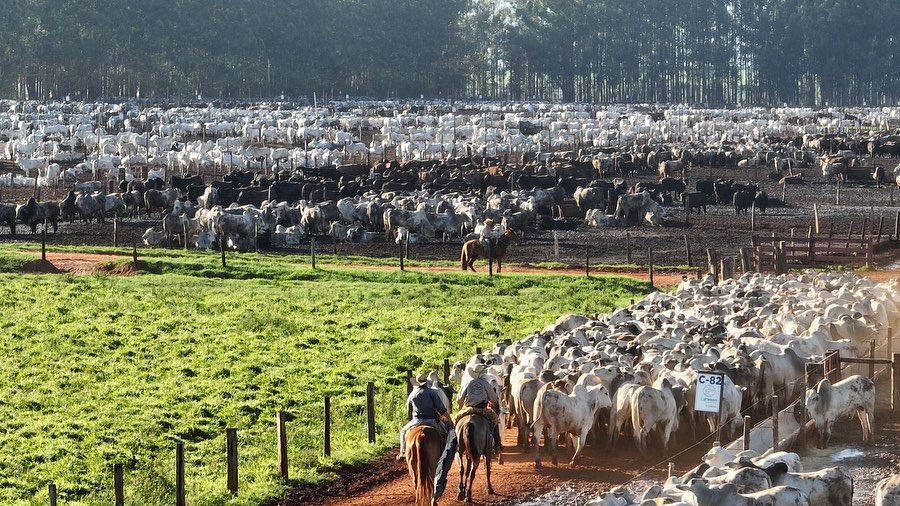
x,y
650,264
775,423
231,458
119,484
400,255
833,366
312,251
872,355
880,229
51,489
116,232
555,245
134,251
897,227
745,259
44,244
490,254
281,433
816,217
370,410
179,474
446,371
687,250
628,244
587,261
327,427
747,428
222,241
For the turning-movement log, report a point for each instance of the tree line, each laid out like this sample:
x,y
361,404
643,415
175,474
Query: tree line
x,y
716,52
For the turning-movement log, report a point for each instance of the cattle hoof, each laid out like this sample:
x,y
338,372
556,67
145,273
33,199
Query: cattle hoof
x,y
469,498
491,491
572,464
555,463
537,465
461,495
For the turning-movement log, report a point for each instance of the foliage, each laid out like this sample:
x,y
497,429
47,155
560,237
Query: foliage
x,y
802,52
105,369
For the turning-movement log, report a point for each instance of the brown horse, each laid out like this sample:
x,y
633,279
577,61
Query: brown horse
x,y
475,441
473,249
423,450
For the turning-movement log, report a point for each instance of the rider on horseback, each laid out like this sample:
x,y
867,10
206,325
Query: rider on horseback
x,y
429,407
476,396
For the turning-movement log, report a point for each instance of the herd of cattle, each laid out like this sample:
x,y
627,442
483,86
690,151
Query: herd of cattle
x,y
634,372
294,171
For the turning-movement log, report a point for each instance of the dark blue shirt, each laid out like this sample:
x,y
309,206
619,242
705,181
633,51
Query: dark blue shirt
x,y
426,403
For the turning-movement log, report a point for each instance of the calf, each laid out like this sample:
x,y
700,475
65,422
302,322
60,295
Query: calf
x,y
653,408
694,200
826,403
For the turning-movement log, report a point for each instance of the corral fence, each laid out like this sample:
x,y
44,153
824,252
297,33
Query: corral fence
x,y
281,461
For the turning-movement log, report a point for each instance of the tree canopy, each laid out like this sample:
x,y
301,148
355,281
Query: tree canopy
x,y
718,52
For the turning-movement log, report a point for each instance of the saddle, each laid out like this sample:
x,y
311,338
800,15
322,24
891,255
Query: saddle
x,y
436,426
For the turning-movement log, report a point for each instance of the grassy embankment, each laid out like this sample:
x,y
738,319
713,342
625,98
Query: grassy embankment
x,y
103,369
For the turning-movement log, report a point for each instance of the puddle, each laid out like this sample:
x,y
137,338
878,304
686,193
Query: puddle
x,y
849,453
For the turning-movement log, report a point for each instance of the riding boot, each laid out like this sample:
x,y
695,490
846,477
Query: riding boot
x,y
444,463
498,441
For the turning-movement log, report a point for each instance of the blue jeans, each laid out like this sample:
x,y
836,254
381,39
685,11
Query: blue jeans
x,y
446,460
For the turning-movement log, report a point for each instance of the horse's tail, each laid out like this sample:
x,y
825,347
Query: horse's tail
x,y
463,256
470,440
423,479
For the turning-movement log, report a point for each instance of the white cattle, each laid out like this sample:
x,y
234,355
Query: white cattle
x,y
832,486
826,403
702,494
153,236
653,409
561,413
887,491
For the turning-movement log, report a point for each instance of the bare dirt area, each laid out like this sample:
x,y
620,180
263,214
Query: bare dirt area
x,y
386,482
75,263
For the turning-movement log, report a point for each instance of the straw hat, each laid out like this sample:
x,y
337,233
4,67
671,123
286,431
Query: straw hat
x,y
476,370
422,379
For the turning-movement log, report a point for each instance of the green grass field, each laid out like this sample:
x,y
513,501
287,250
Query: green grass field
x,y
100,370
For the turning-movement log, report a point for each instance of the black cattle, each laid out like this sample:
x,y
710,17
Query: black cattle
x,y
239,177
325,172
706,186
742,201
761,201
668,184
354,170
137,185
285,191
155,183
182,183
33,212
695,200
724,191
253,196
8,216
67,207
194,192
530,182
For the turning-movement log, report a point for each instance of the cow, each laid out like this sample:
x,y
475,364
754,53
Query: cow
x,y
240,229
90,206
34,212
156,200
761,201
694,200
561,413
8,216
747,480
182,183
742,201
879,175
887,491
636,206
724,191
591,198
114,205
669,184
702,494
67,207
653,408
832,486
672,168
88,186
597,218
153,236
826,403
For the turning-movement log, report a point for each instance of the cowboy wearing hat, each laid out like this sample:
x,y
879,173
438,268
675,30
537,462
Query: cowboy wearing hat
x,y
476,396
429,407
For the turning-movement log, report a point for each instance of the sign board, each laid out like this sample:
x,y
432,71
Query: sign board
x,y
709,391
